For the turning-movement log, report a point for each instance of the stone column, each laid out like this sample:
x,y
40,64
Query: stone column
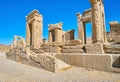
x,y
104,26
50,36
56,35
60,35
96,21
27,34
80,28
34,38
39,27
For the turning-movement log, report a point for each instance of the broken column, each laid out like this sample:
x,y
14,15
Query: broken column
x,y
80,28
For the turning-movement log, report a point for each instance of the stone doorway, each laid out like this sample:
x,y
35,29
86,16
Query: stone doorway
x,y
88,33
34,26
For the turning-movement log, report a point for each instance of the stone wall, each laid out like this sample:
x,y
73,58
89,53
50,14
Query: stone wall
x,y
51,48
73,49
69,35
114,34
113,38
97,61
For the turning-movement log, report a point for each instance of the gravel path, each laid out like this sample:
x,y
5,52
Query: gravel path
x,y
11,71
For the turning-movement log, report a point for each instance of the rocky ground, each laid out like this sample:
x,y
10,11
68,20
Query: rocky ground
x,y
11,71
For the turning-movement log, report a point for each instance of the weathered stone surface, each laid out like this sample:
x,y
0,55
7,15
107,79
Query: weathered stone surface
x,y
56,34
114,34
112,49
19,41
73,49
94,48
55,49
44,60
93,61
96,16
34,26
69,35
74,43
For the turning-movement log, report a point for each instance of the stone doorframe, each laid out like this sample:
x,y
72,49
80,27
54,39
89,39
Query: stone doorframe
x,y
55,32
34,26
82,20
96,16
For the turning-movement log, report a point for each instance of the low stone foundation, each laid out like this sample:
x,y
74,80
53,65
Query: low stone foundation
x,y
55,62
98,61
73,49
42,60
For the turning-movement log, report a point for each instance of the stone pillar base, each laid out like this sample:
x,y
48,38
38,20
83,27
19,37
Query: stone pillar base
x,y
94,48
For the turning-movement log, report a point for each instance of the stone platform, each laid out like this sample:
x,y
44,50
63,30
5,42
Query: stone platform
x,y
55,62
40,60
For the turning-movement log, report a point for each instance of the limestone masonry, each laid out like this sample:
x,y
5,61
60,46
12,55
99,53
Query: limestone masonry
x,y
62,50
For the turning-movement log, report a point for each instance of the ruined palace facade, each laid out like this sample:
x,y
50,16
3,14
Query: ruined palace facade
x,y
56,34
62,50
97,17
34,26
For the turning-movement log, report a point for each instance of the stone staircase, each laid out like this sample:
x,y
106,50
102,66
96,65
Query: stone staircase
x,y
73,49
36,50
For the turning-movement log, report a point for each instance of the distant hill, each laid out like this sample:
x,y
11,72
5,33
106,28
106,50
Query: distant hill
x,y
4,48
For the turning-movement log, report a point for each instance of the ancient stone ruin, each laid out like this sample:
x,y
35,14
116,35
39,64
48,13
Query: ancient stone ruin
x,y
62,50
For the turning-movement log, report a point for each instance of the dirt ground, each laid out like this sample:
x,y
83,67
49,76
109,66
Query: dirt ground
x,y
11,71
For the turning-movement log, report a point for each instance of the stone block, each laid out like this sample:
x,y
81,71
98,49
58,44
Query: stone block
x,y
55,49
72,47
94,48
112,49
72,51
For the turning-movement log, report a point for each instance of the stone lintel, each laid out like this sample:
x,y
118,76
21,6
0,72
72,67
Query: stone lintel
x,y
55,26
86,18
33,14
87,12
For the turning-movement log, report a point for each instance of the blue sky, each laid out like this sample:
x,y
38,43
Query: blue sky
x,y
13,12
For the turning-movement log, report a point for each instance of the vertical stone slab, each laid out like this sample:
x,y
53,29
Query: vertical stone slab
x,y
56,35
80,28
98,22
34,38
27,34
55,31
50,37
